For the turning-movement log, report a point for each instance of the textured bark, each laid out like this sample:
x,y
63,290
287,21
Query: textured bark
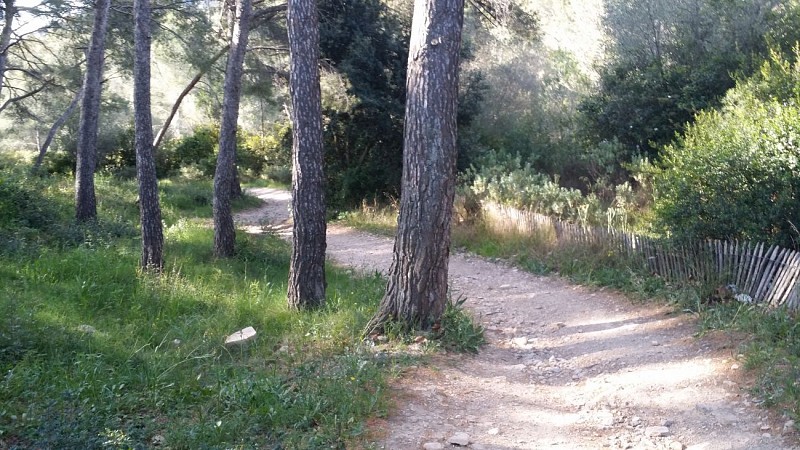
x,y
149,209
9,11
307,270
224,230
416,293
85,201
54,129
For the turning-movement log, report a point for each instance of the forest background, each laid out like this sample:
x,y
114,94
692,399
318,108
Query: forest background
x,y
677,119
633,114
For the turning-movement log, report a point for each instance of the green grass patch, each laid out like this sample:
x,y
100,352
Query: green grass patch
x,y
375,219
96,354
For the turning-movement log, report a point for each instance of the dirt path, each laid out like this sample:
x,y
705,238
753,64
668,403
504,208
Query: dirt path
x,y
566,367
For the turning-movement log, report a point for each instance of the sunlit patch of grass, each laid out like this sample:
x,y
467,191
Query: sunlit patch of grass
x,y
96,354
372,218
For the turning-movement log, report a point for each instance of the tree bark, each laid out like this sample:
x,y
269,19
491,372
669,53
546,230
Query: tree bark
x,y
307,269
149,208
54,129
224,230
85,201
9,11
416,292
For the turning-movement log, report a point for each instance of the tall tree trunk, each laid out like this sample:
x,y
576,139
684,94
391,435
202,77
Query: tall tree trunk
x,y
149,209
85,201
307,270
416,292
9,11
224,230
54,129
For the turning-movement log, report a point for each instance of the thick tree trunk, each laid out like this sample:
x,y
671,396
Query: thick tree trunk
x,y
224,230
416,293
307,270
149,209
85,201
54,129
9,11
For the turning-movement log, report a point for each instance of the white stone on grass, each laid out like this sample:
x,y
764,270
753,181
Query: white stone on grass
x,y
240,337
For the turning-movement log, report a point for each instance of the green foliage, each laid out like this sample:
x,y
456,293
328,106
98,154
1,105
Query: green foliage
x,y
458,330
366,42
735,174
97,355
653,85
507,182
37,213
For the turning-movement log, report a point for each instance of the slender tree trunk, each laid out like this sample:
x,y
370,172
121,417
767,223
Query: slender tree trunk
x,y
85,201
307,270
163,131
416,292
149,209
9,12
54,129
224,230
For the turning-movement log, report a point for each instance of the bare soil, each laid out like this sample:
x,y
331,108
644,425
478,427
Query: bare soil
x,y
565,367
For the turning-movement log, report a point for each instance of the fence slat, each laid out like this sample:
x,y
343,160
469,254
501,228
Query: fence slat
x,y
768,274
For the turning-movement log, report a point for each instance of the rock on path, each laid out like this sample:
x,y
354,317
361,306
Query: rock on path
x,y
566,367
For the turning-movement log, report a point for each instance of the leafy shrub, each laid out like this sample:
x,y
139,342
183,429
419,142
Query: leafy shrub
x,y
258,153
735,173
508,182
198,150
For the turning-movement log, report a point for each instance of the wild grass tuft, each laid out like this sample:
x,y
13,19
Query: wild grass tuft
x,y
95,354
373,218
459,331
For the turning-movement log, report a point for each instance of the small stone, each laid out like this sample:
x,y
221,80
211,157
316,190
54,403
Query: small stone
x,y
176,342
493,431
432,446
519,341
788,427
88,329
766,435
635,421
656,431
240,337
158,440
765,428
675,445
655,343
461,439
666,423
735,367
560,324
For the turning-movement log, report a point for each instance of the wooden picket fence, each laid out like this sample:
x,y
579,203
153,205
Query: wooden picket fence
x,y
756,272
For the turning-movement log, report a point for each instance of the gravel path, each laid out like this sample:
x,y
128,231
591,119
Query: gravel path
x,y
566,367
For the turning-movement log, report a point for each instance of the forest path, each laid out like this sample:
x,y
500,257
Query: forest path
x,y
566,367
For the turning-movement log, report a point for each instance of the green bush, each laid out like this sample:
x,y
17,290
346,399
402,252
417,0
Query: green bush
x,y
506,181
734,174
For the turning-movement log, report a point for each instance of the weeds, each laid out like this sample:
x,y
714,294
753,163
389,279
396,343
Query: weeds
x,y
459,332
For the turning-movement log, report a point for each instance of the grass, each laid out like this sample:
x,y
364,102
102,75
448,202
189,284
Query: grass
x,y
375,219
95,354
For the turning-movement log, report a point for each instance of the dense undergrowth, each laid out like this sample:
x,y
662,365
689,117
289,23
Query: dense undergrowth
x,y
94,354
